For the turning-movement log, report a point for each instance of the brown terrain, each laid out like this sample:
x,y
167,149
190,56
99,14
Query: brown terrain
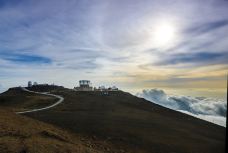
x,y
117,122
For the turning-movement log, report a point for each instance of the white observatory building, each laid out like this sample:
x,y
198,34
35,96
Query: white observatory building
x,y
30,84
84,85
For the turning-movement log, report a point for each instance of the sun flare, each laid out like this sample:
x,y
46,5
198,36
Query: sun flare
x,y
164,34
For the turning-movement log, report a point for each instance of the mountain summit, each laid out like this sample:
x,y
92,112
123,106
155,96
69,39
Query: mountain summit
x,y
123,121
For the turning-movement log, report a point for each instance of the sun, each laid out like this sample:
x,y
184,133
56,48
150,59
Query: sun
x,y
164,34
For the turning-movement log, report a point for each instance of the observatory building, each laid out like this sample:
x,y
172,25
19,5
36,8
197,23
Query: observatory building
x,y
30,84
84,85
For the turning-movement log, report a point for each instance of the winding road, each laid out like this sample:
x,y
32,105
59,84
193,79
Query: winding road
x,y
61,99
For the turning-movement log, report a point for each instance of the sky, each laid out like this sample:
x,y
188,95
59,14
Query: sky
x,y
133,44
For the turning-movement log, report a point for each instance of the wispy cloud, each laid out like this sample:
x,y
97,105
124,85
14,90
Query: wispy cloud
x,y
200,58
25,59
207,27
107,38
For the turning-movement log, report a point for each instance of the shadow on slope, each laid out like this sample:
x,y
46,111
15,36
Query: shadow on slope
x,y
20,134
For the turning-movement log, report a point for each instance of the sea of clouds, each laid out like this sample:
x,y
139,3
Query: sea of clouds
x,y
209,109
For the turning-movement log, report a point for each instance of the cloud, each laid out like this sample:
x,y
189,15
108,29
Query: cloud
x,y
220,120
207,27
77,36
200,58
2,89
24,59
212,110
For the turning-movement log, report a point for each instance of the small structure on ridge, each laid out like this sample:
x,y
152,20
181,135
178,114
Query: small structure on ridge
x,y
84,85
30,84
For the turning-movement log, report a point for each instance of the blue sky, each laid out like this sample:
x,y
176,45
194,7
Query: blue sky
x,y
129,43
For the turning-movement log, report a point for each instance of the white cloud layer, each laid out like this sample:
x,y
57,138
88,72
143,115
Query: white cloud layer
x,y
209,109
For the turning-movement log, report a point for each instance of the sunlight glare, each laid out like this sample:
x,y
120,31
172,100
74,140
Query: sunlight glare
x,y
164,34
